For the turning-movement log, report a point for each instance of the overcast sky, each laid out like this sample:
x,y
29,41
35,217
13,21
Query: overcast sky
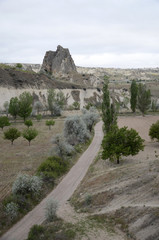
x,y
98,33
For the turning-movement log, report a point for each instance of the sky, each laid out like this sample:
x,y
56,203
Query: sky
x,y
98,33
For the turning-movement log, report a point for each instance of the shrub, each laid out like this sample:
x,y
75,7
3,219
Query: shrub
x,y
4,121
30,134
11,210
90,118
154,130
76,105
75,130
12,134
88,199
25,184
50,210
19,65
39,117
49,123
52,167
36,232
62,148
28,123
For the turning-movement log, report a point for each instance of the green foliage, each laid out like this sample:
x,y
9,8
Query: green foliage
x,y
12,134
52,167
11,210
134,92
36,233
108,110
51,100
76,105
50,123
144,98
88,106
154,131
121,142
29,134
6,107
56,102
25,184
28,123
154,105
75,130
25,105
50,210
88,199
90,118
19,65
62,148
14,107
39,117
4,121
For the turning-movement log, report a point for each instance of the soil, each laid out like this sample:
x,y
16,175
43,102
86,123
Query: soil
x,y
128,192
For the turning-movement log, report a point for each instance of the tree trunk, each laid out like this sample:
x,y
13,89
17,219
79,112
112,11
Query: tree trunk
x,y
117,160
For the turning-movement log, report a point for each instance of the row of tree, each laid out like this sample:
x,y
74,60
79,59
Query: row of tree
x,y
117,142
140,97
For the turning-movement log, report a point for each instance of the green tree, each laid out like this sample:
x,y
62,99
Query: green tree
x,y
14,107
4,121
51,100
49,123
108,110
25,105
28,123
154,131
133,99
19,65
121,142
30,134
6,107
144,98
12,134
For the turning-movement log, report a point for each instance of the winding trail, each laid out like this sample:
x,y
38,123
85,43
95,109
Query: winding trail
x,y
61,193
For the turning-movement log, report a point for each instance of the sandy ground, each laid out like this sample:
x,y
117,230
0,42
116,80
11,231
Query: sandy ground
x,y
128,191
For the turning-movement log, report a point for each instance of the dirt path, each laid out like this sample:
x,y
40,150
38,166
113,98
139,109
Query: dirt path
x,y
61,193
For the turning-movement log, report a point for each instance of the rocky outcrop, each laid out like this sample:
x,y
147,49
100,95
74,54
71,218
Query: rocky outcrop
x,y
58,62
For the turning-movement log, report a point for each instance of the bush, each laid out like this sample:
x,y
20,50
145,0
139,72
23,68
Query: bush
x,y
88,199
76,105
30,134
52,167
50,210
154,131
75,130
4,121
39,117
11,210
12,134
62,148
90,118
49,123
36,232
28,123
25,184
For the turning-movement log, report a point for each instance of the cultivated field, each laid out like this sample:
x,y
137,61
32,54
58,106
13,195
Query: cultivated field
x,y
22,158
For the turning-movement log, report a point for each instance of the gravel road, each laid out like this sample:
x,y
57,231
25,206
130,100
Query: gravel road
x,y
61,193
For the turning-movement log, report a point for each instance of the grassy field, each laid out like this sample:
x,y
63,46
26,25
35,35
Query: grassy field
x,y
22,158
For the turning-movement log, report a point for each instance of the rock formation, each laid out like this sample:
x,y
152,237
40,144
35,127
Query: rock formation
x,y
58,62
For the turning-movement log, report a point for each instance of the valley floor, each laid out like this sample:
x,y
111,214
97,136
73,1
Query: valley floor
x,y
123,196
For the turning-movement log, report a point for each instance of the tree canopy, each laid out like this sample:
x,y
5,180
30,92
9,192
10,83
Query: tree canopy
x,y
144,98
121,142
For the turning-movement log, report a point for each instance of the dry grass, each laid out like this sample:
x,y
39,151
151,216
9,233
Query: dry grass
x,y
20,157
